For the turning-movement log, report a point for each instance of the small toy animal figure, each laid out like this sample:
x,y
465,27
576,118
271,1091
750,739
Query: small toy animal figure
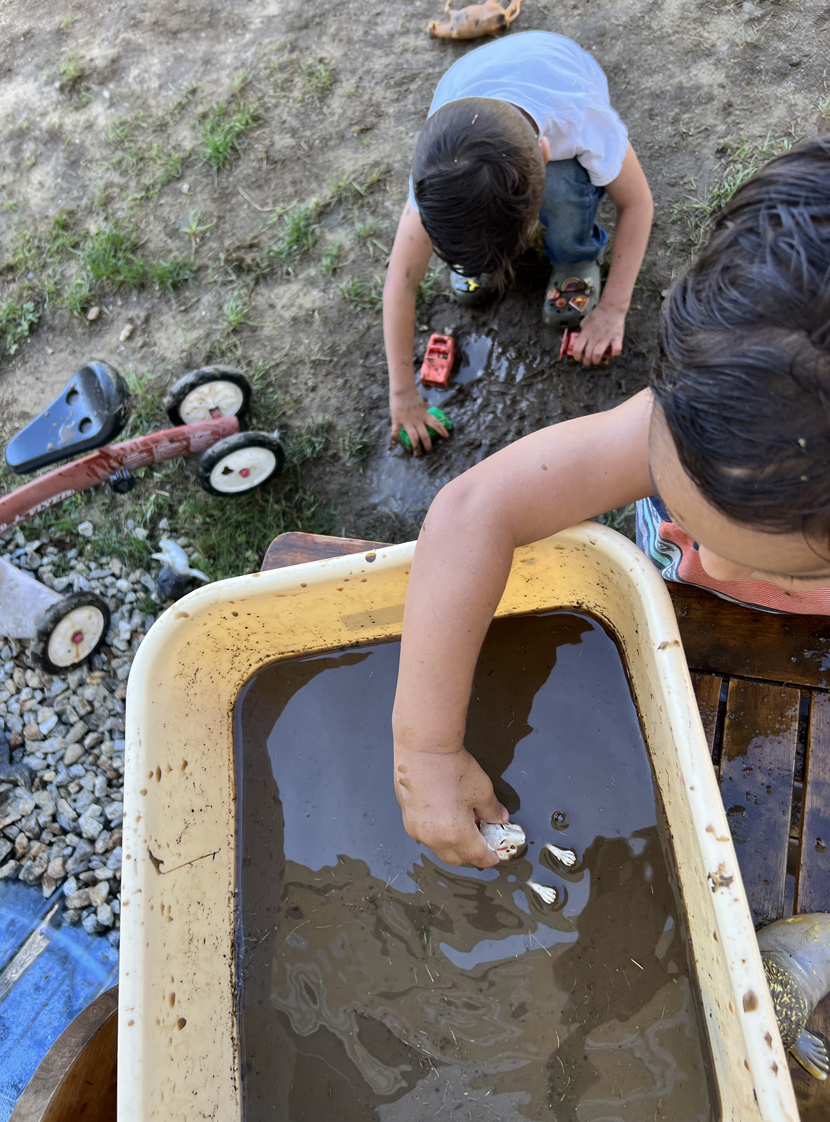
x,y
175,576
796,957
475,21
509,841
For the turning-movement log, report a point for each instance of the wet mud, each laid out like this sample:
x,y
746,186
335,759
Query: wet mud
x,y
379,985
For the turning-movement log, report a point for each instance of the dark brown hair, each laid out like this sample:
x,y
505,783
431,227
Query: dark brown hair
x,y
478,179
743,374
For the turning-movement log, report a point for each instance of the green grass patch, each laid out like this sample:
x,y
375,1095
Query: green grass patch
x,y
306,442
297,227
224,132
330,262
355,446
743,159
317,79
196,228
357,183
16,323
431,286
365,295
147,411
236,308
71,71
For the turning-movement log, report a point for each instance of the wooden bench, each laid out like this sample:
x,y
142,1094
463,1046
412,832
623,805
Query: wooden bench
x,y
762,683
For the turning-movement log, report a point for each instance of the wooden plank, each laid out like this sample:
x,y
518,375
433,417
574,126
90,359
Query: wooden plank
x,y
76,1079
724,638
707,692
760,738
295,548
813,884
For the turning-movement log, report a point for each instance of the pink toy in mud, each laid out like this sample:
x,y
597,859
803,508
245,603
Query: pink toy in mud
x,y
475,21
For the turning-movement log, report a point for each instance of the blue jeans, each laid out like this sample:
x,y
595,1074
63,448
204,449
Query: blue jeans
x,y
568,213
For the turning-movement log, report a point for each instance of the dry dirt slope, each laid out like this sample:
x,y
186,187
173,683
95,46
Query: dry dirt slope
x,y
252,160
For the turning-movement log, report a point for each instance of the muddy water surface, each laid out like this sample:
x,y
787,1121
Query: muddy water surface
x,y
379,985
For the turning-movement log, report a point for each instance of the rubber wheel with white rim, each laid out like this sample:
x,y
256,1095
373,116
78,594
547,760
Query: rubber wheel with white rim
x,y
239,463
197,396
71,631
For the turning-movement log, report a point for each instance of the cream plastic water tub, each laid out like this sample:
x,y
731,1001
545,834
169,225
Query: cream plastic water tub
x,y
178,1039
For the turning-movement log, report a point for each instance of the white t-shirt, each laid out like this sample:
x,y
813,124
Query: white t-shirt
x,y
558,84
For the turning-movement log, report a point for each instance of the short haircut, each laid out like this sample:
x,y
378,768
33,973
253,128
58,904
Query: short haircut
x,y
743,374
478,179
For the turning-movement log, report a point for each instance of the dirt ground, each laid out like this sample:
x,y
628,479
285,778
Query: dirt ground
x,y
105,109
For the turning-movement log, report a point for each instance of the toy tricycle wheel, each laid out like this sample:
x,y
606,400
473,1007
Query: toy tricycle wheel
x,y
240,462
198,395
71,631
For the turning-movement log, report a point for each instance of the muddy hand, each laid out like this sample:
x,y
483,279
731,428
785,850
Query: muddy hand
x,y
409,412
442,796
602,328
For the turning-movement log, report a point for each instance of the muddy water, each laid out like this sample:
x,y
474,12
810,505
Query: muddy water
x,y
379,985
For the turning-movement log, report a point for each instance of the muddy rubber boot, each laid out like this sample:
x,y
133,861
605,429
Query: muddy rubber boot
x,y
470,291
573,291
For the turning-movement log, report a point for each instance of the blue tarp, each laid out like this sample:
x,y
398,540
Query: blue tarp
x,y
48,974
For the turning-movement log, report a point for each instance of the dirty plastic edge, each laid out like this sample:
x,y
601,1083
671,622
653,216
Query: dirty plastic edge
x,y
169,662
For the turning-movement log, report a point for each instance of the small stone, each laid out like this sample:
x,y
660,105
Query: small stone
x,y
73,752
126,332
98,893
79,899
56,868
9,870
80,858
114,859
105,916
6,845
21,845
48,724
48,884
86,530
91,925
31,873
114,938
90,827
71,916
92,740
93,313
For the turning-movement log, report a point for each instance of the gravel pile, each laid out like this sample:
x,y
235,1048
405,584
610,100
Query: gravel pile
x,y
64,834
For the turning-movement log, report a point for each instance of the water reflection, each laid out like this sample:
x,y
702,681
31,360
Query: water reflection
x,y
379,984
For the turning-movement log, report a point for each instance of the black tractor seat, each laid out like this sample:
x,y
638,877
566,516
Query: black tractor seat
x,y
90,411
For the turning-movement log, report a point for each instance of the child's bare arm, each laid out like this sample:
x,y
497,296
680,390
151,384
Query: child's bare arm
x,y
408,262
537,486
605,325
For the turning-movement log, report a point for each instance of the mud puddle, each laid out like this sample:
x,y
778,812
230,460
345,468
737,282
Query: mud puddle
x,y
403,485
379,985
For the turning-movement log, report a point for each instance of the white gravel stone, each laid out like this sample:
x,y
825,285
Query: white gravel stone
x,y
65,835
73,753
104,915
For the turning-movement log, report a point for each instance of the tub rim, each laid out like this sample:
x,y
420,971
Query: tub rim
x,y
155,1046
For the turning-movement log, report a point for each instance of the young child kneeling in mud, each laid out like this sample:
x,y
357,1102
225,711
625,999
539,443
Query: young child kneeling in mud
x,y
519,130
728,454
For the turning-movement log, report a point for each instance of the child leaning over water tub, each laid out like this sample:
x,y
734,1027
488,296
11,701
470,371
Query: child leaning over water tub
x,y
728,454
